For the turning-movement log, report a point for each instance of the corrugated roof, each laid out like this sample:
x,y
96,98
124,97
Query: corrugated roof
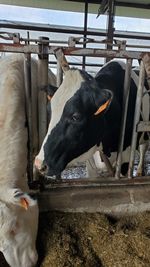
x,y
122,9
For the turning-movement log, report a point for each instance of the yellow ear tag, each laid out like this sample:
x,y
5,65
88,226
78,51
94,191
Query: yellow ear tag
x,y
103,107
24,203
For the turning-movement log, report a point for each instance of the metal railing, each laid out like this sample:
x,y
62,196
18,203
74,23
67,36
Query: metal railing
x,y
42,47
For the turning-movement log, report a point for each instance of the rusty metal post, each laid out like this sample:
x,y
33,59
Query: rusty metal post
x,y
28,102
107,163
127,80
59,74
110,25
136,118
42,81
62,65
85,32
59,54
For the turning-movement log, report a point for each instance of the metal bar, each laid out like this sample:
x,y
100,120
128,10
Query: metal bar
x,y
101,53
136,118
42,82
19,48
143,126
107,163
53,183
61,59
59,74
73,51
127,80
69,30
110,26
85,31
89,41
28,97
79,64
116,200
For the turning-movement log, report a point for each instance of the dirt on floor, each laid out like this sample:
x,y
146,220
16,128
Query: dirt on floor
x,y
92,240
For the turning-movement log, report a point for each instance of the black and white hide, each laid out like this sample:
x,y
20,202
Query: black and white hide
x,y
89,118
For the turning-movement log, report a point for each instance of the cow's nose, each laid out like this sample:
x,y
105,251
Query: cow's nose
x,y
39,164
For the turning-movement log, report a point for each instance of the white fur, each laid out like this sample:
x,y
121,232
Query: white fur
x,y
18,227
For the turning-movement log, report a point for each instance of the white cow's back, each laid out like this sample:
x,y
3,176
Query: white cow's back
x,y
18,211
13,134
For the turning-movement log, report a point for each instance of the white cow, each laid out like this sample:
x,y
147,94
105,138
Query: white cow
x,y
18,211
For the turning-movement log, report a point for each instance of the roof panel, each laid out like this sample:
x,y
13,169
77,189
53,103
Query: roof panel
x,y
78,6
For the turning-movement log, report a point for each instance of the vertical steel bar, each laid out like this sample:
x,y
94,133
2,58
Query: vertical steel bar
x,y
59,74
110,25
136,118
62,60
42,82
85,31
28,101
107,163
127,81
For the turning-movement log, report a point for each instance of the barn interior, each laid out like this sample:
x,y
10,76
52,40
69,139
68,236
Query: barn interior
x,y
64,204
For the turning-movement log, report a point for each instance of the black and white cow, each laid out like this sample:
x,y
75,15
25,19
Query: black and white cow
x,y
90,116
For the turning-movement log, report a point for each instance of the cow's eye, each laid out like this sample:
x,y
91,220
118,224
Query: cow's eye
x,y
76,116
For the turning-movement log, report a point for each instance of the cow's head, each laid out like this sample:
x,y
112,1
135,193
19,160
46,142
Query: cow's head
x,y
18,229
74,131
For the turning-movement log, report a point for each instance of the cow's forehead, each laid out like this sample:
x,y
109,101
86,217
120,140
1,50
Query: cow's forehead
x,y
71,83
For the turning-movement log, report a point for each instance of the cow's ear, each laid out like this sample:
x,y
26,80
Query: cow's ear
x,y
17,197
25,201
103,101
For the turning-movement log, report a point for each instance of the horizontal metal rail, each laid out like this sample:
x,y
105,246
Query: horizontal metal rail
x,y
73,51
70,30
116,199
72,41
54,183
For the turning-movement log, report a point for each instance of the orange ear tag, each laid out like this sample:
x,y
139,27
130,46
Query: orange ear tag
x,y
24,203
103,107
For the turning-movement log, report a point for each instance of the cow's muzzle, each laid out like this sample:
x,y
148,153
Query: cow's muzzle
x,y
40,166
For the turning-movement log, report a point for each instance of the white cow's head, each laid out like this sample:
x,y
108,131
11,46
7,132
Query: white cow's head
x,y
18,228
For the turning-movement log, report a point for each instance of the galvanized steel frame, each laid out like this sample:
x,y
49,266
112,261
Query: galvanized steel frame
x,y
116,196
71,51
112,196
43,48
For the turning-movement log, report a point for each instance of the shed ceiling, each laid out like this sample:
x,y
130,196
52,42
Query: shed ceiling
x,y
130,8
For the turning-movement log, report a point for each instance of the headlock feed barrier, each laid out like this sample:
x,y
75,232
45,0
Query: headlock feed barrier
x,y
113,194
